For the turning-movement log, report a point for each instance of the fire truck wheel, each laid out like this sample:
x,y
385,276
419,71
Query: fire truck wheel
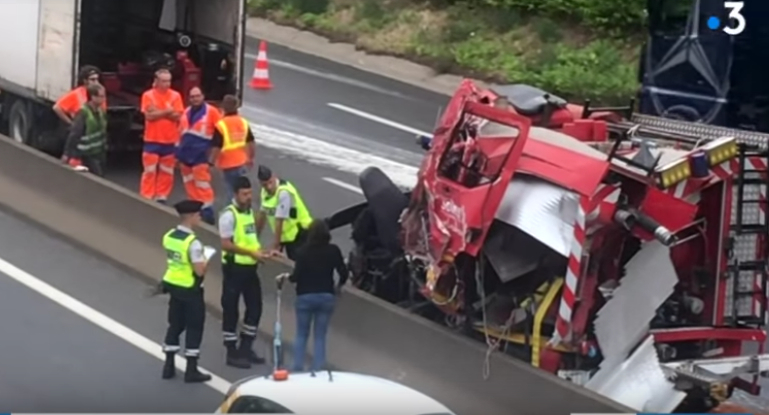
x,y
387,202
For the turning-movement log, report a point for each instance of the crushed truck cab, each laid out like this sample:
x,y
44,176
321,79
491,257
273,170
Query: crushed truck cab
x,y
624,253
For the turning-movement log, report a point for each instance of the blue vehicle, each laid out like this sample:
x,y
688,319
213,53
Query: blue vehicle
x,y
694,71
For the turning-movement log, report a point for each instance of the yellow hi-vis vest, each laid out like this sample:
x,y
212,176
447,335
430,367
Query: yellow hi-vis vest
x,y
298,218
244,236
179,269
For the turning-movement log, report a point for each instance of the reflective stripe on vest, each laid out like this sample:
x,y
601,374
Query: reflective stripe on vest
x,y
179,269
243,236
299,218
232,140
234,131
94,141
200,128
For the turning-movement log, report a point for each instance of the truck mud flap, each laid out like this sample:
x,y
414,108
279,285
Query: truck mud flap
x,y
367,335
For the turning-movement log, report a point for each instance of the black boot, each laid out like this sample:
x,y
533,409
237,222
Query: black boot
x,y
169,368
246,350
192,374
235,359
255,359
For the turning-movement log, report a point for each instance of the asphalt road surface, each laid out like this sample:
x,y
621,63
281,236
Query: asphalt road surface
x,y
56,358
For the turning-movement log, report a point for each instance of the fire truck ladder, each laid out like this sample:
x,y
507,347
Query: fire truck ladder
x,y
758,266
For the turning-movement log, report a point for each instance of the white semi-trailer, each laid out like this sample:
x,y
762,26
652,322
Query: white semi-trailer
x,y
45,42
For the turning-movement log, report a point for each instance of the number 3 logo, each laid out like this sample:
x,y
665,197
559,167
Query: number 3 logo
x,y
735,9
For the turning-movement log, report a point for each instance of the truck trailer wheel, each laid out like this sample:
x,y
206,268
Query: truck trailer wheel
x,y
19,122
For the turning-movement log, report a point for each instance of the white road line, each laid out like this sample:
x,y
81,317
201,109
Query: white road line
x,y
343,185
329,76
378,119
153,349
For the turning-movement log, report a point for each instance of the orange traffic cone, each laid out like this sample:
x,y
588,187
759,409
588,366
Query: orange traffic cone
x,y
261,77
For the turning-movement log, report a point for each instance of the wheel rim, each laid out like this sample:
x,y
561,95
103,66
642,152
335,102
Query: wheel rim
x,y
16,132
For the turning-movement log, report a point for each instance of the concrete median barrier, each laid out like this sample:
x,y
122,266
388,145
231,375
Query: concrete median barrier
x,y
367,335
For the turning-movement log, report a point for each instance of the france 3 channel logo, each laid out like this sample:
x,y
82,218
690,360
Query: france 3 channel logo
x,y
735,22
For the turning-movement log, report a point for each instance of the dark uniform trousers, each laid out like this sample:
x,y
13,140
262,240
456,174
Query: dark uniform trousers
x,y
293,247
186,313
240,280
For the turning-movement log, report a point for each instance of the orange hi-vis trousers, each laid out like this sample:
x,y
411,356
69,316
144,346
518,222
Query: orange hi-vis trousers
x,y
158,176
197,183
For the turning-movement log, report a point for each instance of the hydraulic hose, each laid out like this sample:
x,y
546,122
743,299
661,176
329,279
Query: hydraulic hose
x,y
630,218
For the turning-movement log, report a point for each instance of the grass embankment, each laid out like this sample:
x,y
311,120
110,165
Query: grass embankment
x,y
575,48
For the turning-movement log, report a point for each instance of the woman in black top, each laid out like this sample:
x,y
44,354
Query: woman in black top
x,y
316,292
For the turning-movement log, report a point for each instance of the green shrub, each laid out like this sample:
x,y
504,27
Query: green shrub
x,y
510,41
370,10
309,6
548,31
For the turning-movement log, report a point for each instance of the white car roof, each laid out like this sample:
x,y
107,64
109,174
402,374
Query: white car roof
x,y
342,393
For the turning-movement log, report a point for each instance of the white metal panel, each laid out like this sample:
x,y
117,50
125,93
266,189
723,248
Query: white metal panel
x,y
18,49
636,379
638,382
541,209
650,278
56,48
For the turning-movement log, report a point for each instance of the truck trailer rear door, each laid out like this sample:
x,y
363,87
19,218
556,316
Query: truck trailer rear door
x,y
57,47
240,47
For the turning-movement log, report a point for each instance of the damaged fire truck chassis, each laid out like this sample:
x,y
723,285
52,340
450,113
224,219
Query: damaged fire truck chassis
x,y
587,255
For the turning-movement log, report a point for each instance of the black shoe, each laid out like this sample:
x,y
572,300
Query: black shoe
x,y
192,374
169,368
255,359
236,359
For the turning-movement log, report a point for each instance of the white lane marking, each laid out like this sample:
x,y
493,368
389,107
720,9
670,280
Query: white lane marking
x,y
329,76
101,320
331,155
378,119
343,185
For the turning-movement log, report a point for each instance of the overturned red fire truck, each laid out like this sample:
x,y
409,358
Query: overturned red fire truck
x,y
591,243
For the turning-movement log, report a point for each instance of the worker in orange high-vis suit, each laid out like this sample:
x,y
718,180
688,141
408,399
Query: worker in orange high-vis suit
x,y
162,108
197,128
233,143
72,102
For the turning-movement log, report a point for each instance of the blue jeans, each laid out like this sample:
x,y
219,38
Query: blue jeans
x,y
312,309
230,175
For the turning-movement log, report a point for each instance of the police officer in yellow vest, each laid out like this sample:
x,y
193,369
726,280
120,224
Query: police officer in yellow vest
x,y
283,208
241,252
183,280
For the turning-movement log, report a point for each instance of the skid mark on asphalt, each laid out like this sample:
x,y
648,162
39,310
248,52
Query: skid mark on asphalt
x,y
94,316
332,155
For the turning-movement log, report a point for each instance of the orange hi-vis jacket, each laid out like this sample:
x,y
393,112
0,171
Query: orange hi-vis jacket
x,y
234,131
73,101
162,131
